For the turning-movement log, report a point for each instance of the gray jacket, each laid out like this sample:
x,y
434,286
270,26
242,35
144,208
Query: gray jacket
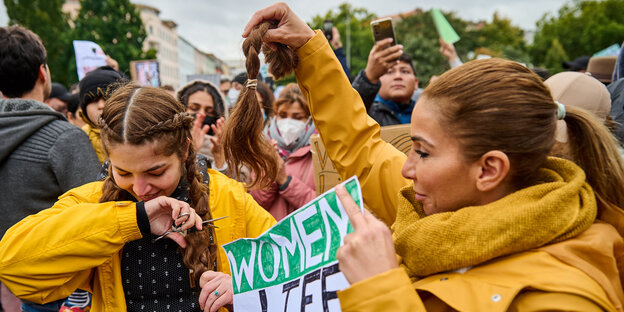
x,y
41,157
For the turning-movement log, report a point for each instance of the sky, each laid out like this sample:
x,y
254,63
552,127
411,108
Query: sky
x,y
214,26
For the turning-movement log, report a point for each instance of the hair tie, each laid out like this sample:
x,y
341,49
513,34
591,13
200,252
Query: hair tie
x,y
252,83
561,111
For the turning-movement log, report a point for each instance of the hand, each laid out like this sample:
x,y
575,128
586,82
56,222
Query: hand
x,y
448,50
291,30
217,149
369,250
112,63
199,131
163,211
381,58
212,282
335,42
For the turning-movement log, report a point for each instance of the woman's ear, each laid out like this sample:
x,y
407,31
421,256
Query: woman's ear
x,y
494,166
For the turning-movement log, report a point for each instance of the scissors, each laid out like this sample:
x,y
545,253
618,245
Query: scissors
x,y
178,229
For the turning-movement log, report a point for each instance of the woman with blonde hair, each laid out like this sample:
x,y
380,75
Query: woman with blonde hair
x,y
484,220
146,238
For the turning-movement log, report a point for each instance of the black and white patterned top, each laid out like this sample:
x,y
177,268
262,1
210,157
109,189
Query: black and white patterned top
x,y
153,274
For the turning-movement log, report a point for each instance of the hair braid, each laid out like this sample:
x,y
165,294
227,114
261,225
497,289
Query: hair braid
x,y
244,141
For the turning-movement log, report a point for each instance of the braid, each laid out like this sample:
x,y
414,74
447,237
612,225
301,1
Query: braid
x,y
244,141
200,252
179,120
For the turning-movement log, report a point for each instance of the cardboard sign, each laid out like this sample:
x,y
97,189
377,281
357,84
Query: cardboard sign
x,y
445,30
292,266
325,174
89,56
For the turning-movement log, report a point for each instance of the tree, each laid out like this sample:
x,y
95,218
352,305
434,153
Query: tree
x,y
583,27
116,26
360,40
45,18
504,39
555,56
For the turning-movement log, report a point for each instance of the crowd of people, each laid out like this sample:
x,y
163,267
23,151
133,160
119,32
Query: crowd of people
x,y
117,197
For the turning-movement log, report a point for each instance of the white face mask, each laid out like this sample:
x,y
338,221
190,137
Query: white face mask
x,y
290,129
233,96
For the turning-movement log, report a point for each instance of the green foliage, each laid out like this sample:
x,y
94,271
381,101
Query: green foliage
x,y
582,27
360,39
555,56
45,18
116,26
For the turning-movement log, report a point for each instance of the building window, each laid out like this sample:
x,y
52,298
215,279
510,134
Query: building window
x,y
151,30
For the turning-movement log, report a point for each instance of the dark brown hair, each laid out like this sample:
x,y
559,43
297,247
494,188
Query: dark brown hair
x,y
243,139
496,104
138,115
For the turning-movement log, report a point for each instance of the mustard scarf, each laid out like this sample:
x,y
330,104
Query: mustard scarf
x,y
560,206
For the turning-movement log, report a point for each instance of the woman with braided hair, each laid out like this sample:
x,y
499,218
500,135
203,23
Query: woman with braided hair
x,y
144,238
484,220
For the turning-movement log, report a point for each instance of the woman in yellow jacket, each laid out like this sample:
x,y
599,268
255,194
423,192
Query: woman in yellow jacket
x,y
142,239
483,220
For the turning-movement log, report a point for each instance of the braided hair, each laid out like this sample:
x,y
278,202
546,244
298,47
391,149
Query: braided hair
x,y
138,115
244,141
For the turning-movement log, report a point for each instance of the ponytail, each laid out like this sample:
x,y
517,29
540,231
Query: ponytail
x,y
243,139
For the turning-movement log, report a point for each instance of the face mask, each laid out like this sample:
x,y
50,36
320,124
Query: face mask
x,y
233,96
290,129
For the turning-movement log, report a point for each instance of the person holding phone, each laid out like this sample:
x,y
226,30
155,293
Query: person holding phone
x,y
484,220
388,83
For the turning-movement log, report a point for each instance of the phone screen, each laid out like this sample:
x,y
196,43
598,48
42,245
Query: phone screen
x,y
327,29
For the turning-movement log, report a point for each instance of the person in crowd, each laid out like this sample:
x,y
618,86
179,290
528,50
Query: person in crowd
x,y
236,87
58,99
203,100
133,254
484,219
93,88
42,155
579,64
224,86
388,104
336,44
73,108
602,68
291,129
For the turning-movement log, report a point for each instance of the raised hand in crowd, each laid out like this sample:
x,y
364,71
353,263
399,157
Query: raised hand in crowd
x,y
292,30
199,130
336,42
381,58
448,50
112,63
216,291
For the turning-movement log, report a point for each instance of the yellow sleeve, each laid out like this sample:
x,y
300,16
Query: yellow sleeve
x,y
351,138
257,219
552,301
47,256
389,291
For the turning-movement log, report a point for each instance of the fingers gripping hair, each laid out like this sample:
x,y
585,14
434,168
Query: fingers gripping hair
x,y
244,141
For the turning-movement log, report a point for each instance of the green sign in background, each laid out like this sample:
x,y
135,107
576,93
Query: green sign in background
x,y
300,243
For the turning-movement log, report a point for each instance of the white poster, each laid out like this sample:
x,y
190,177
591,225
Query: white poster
x,y
89,56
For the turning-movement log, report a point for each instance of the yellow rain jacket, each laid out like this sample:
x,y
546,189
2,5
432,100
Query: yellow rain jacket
x,y
77,243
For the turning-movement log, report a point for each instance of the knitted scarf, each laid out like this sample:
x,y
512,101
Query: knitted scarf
x,y
560,206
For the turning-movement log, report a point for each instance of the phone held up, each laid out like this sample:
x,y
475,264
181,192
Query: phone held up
x,y
382,28
327,29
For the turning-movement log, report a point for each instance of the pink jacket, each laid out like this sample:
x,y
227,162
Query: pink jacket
x,y
300,190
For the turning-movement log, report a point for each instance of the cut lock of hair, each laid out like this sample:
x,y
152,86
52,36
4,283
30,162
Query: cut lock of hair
x,y
145,115
244,142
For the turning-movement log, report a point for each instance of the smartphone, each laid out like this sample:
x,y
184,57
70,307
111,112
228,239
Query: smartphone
x,y
327,29
382,28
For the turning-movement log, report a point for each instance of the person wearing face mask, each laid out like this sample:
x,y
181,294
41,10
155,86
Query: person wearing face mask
x,y
203,99
290,130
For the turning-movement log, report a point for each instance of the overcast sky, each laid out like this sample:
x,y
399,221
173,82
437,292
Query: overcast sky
x,y
215,26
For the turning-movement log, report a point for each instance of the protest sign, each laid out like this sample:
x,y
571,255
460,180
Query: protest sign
x,y
89,56
292,266
325,174
145,72
613,49
445,30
